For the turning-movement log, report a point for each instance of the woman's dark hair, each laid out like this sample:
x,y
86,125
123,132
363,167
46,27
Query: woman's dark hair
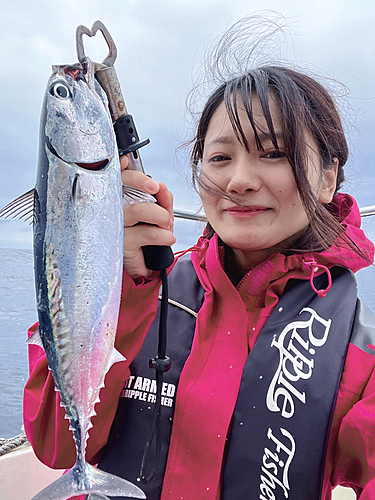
x,y
305,105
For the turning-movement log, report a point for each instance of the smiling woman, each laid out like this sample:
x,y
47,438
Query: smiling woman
x,y
262,211
270,148
271,390
303,129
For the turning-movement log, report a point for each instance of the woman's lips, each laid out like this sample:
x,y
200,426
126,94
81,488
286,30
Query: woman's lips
x,y
246,211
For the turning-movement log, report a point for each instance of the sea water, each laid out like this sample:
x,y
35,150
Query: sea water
x,y
17,313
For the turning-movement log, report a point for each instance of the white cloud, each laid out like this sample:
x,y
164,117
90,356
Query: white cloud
x,y
43,46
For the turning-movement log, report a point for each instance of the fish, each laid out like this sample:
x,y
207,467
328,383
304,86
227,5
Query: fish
x,y
76,209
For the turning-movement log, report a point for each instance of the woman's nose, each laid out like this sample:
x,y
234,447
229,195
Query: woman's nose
x,y
243,177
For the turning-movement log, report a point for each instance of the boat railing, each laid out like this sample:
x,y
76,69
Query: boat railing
x,y
367,211
198,216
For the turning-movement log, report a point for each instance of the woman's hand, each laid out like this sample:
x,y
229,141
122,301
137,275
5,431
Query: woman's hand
x,y
160,216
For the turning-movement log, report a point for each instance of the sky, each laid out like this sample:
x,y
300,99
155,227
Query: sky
x,y
161,45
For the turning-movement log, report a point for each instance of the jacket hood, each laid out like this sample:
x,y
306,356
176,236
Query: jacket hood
x,y
339,253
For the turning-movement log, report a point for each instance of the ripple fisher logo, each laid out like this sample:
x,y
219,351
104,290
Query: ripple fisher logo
x,y
276,464
297,345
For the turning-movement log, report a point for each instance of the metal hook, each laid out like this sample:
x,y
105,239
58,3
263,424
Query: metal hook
x,y
97,26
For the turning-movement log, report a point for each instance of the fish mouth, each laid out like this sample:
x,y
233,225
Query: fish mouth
x,y
99,165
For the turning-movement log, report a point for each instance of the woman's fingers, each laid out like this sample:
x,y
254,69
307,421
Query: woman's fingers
x,y
165,199
139,181
135,237
124,162
148,213
145,223
142,235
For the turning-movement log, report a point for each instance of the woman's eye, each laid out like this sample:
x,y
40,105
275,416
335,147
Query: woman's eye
x,y
218,158
60,90
274,154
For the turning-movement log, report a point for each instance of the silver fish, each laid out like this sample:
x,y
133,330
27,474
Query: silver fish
x,y
78,259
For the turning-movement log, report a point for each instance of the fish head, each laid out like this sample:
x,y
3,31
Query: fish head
x,y
78,125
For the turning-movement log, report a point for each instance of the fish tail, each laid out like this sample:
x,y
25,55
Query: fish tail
x,y
92,481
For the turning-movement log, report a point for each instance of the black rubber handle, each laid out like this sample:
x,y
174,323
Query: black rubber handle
x,y
156,257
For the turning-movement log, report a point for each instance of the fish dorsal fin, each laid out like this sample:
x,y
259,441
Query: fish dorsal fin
x,y
22,208
35,339
116,356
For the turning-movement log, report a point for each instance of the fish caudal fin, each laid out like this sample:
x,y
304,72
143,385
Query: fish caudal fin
x,y
96,481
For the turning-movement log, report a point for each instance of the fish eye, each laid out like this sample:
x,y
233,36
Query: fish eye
x,y
60,90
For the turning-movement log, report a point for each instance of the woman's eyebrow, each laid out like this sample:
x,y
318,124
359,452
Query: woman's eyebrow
x,y
229,139
222,139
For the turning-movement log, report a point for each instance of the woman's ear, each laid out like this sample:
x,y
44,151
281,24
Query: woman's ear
x,y
329,182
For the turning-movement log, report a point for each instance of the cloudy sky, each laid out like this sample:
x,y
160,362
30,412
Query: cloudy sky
x,y
160,45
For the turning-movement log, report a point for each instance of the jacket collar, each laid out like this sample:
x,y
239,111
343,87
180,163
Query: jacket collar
x,y
207,257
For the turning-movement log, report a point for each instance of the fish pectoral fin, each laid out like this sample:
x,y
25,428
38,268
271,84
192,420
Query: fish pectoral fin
x,y
35,339
131,195
116,356
22,208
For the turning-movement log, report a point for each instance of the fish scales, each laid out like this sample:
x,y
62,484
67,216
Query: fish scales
x,y
88,257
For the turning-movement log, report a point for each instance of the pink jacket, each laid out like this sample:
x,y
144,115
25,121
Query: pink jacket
x,y
201,420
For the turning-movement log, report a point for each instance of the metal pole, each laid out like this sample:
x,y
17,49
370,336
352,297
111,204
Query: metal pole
x,y
181,213
367,211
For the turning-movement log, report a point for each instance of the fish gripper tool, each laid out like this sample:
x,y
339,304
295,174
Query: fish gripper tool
x,y
156,257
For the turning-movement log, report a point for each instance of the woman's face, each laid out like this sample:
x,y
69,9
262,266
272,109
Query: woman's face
x,y
268,214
